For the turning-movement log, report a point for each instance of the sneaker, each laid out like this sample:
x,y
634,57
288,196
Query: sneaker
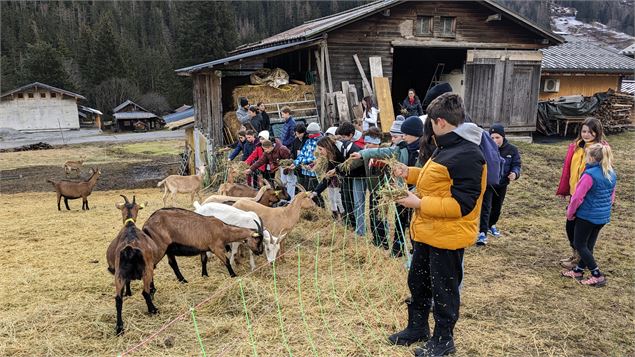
x,y
595,281
494,231
572,274
482,239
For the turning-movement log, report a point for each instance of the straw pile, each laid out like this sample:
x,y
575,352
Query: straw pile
x,y
235,171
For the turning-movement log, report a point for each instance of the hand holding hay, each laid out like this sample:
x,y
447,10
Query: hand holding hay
x,y
286,163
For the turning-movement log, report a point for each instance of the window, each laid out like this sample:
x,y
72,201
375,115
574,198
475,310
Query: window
x,y
42,95
20,95
424,25
53,95
448,26
30,95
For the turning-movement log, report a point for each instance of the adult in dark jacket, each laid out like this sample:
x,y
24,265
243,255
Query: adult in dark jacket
x,y
255,119
411,106
266,122
288,130
496,193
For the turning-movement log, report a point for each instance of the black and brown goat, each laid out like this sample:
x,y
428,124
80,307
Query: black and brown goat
x,y
271,196
72,190
179,232
132,255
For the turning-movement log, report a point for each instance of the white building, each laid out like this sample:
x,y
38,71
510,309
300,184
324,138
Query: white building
x,y
39,107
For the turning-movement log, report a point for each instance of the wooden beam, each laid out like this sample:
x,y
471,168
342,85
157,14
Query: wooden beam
x,y
460,44
375,69
345,85
320,70
353,102
365,83
384,102
342,106
328,67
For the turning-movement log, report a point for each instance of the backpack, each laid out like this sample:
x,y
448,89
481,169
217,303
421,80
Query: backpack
x,y
344,149
495,162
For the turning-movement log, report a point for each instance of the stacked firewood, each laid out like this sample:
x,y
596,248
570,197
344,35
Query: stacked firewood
x,y
616,112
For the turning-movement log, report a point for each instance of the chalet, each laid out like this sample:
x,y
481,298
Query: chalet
x,y
490,53
39,107
131,116
582,67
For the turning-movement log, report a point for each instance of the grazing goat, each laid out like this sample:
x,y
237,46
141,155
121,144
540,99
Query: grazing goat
x,y
234,216
73,165
261,197
185,233
279,220
182,184
132,255
274,194
71,190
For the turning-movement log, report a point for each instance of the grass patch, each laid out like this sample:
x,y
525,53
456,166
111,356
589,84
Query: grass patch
x,y
155,148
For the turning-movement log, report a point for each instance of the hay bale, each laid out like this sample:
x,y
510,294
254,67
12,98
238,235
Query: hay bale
x,y
232,123
267,94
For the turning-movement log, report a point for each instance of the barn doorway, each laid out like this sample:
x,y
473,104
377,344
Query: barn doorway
x,y
415,68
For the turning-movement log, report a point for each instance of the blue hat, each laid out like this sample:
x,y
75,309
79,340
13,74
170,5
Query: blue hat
x,y
412,126
497,129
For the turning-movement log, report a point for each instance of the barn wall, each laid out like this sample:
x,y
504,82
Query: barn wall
x,y
39,113
579,85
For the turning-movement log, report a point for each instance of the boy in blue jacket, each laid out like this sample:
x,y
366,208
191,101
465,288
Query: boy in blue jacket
x,y
511,172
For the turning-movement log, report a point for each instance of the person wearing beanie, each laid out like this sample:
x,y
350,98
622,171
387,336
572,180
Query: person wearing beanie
x,y
405,146
241,113
306,158
434,92
495,194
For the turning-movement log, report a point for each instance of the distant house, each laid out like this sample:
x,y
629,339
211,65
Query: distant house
x,y
39,107
131,116
89,117
629,51
581,68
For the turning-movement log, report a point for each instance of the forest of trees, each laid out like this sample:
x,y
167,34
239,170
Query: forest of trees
x,y
110,51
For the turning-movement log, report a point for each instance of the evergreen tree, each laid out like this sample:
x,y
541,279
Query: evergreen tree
x,y
44,64
106,61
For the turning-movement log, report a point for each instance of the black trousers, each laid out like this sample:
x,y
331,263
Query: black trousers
x,y
436,274
377,222
569,227
347,201
585,234
498,197
486,208
402,224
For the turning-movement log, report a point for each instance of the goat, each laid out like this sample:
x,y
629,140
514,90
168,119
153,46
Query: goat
x,y
279,220
132,255
240,218
185,233
276,193
73,165
260,197
182,184
71,190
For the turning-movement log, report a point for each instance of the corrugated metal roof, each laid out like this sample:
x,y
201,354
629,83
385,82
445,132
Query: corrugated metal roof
x,y
178,116
628,51
313,28
239,57
36,85
628,86
584,56
90,110
134,115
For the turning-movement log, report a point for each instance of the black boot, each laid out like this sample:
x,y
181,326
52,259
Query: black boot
x,y
436,347
397,249
417,329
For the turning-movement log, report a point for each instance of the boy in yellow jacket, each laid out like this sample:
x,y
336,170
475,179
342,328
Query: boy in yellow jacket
x,y
447,203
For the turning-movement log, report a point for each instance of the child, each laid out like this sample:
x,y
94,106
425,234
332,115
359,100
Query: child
x,y
306,157
590,210
326,147
252,179
591,132
353,182
511,171
377,174
244,145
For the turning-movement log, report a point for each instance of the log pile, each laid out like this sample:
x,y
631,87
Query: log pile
x,y
616,112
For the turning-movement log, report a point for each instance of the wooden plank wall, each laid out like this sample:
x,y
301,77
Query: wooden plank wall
x,y
208,106
586,85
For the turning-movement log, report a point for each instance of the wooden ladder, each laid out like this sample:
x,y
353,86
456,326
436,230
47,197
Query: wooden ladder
x,y
436,77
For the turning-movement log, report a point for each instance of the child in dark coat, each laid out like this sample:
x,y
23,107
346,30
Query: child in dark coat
x,y
511,172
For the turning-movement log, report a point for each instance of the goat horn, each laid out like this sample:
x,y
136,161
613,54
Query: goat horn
x,y
261,192
259,225
133,199
125,198
267,183
278,182
300,187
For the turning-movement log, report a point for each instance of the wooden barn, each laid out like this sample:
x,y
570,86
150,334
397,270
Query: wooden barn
x,y
490,53
131,116
39,107
581,67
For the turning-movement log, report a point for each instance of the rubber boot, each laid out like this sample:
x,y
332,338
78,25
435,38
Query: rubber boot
x,y
417,329
436,347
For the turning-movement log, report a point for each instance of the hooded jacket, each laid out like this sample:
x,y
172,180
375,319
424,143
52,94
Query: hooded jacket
x,y
256,155
246,147
414,108
279,152
288,132
509,152
451,187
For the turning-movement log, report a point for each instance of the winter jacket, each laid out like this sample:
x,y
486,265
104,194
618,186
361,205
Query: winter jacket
x,y
256,123
451,187
307,154
326,182
239,146
279,152
346,148
574,165
296,146
414,109
246,147
242,115
288,132
256,155
370,118
509,152
594,196
266,122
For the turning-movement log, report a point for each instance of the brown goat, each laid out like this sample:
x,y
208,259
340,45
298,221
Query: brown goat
x,y
271,196
182,184
73,165
181,232
132,255
72,190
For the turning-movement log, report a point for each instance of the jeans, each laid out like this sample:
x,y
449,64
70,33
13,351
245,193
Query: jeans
x,y
359,199
289,182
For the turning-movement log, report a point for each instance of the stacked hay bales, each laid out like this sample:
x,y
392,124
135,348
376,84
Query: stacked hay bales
x,y
267,94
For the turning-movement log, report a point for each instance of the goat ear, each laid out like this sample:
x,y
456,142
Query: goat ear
x,y
143,205
119,205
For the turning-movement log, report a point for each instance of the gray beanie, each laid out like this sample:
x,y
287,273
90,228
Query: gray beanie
x,y
395,129
313,128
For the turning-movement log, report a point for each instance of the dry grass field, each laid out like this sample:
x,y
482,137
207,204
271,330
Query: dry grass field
x,y
333,295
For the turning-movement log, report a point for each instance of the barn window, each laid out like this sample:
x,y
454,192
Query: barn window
x,y
448,26
424,25
42,95
30,95
20,95
53,95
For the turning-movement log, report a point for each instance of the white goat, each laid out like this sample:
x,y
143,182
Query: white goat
x,y
237,217
182,184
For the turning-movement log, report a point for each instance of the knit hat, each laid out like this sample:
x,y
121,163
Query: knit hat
x,y
243,102
264,134
412,126
395,129
358,135
331,130
497,129
400,118
313,128
372,140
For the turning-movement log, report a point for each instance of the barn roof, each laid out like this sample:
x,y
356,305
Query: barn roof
x,y
628,51
312,31
584,57
127,103
134,115
36,85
